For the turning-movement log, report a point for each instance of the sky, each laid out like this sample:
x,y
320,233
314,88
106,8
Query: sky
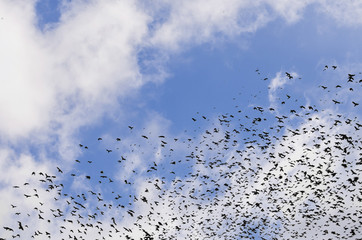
x,y
119,75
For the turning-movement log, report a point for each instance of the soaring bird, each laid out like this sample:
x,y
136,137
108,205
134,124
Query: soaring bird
x,y
262,175
289,75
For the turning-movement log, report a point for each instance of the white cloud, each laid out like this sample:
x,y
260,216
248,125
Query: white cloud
x,y
277,84
197,22
68,76
83,63
284,208
73,70
55,82
142,153
26,96
346,13
290,11
16,170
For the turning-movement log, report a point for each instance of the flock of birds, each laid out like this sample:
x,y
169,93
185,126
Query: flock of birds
x,y
289,171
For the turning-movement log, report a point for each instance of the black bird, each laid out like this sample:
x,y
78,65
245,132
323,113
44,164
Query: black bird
x,y
245,176
20,226
351,77
8,229
59,170
289,75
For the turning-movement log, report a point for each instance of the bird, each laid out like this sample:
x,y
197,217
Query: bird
x,y
289,75
262,175
20,226
350,77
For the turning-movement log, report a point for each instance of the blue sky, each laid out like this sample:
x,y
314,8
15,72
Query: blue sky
x,y
75,71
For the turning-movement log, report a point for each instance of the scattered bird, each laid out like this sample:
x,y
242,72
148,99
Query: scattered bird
x,y
252,175
59,170
289,75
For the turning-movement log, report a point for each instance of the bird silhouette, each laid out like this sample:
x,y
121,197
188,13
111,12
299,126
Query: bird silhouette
x,y
264,172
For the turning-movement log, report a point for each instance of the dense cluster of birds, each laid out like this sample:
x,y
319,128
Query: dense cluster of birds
x,y
275,173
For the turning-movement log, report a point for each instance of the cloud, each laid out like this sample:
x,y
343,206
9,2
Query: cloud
x,y
87,60
272,193
56,81
68,76
277,84
57,77
291,12
24,62
17,170
346,13
197,22
285,194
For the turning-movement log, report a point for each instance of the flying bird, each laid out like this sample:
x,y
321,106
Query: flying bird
x,y
238,177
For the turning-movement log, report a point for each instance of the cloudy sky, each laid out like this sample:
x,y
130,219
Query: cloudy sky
x,y
74,71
